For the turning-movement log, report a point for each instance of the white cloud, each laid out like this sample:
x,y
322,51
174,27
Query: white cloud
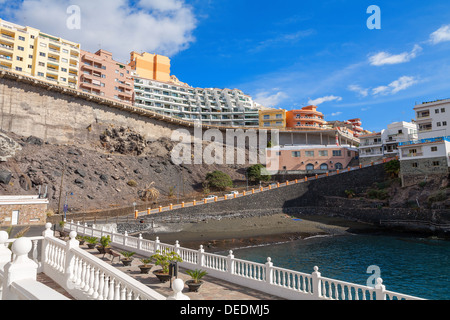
x,y
270,100
400,84
334,114
156,26
440,35
321,100
358,89
383,58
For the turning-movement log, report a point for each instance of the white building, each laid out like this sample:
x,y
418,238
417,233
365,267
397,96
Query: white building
x,y
212,106
377,145
433,119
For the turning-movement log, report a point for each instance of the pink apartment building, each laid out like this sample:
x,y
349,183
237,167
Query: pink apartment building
x,y
101,75
309,159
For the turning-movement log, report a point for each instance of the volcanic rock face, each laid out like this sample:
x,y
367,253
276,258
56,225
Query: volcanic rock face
x,y
8,147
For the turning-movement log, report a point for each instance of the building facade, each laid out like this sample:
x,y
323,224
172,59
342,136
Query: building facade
x,y
272,118
23,210
34,53
151,66
305,118
424,159
223,107
309,159
433,119
101,75
384,144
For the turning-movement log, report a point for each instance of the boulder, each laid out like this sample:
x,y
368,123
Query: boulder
x,y
5,176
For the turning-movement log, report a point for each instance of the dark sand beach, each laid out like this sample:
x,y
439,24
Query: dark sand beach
x,y
230,233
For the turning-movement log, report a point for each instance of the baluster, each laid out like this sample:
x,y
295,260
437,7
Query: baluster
x,y
101,286
289,280
35,253
117,291
106,287
111,289
91,281
350,293
96,283
123,293
129,295
79,271
87,277
83,275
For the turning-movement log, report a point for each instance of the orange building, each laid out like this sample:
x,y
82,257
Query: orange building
x,y
306,118
151,66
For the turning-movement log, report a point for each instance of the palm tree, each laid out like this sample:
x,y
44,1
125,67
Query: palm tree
x,y
150,192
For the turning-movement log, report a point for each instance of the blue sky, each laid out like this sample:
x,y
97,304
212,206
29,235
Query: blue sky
x,y
284,54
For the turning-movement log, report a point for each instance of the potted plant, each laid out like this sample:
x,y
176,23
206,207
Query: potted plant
x,y
104,244
146,266
195,283
91,242
81,239
126,260
164,259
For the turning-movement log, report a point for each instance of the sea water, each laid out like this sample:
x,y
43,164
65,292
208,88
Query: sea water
x,y
415,266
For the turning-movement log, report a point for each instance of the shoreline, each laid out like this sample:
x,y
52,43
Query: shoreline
x,y
233,233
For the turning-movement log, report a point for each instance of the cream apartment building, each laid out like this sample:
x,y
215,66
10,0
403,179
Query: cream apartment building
x,y
29,51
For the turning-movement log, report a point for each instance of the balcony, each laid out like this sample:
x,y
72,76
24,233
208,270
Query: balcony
x,y
411,155
5,57
7,47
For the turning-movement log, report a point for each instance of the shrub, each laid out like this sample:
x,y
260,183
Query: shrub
x,y
132,183
392,168
219,180
422,184
258,173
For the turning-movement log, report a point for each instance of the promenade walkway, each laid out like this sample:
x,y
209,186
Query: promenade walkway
x,y
212,288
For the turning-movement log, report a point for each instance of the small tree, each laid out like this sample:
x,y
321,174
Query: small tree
x,y
392,168
219,180
258,173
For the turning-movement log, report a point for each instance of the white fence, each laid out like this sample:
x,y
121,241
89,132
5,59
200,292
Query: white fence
x,y
81,274
266,277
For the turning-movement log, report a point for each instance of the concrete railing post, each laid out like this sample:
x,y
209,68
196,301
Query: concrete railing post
x,y
5,253
177,247
139,242
69,267
201,256
230,262
125,238
177,287
21,268
316,283
269,271
380,290
156,244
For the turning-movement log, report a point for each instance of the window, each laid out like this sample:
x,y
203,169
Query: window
x,y
279,116
309,153
30,56
436,163
40,74
337,153
43,44
41,64
42,54
323,153
309,166
444,123
324,166
30,66
18,69
64,60
31,46
295,154
442,110
415,165
21,38
19,58
65,51
438,124
266,116
63,69
338,165
436,110
434,149
63,79
21,48
278,153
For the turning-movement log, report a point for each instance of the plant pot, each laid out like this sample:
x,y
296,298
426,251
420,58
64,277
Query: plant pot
x,y
81,242
127,262
145,268
163,277
193,287
91,245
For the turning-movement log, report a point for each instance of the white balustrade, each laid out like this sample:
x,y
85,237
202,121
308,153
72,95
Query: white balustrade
x,y
280,282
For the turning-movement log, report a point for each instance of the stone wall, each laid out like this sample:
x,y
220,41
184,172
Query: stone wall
x,y
29,214
425,169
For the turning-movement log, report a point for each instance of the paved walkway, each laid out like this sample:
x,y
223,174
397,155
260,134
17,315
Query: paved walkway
x,y
212,288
